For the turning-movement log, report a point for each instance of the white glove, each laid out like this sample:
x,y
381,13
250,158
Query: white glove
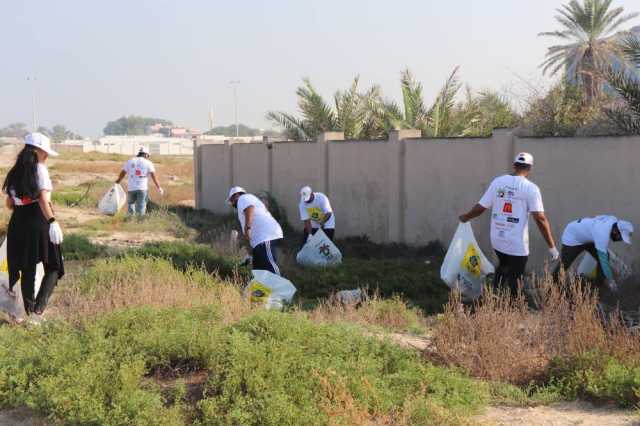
x,y
613,286
55,233
161,191
554,253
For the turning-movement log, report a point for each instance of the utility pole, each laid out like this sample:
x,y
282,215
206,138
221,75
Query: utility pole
x,y
33,102
235,84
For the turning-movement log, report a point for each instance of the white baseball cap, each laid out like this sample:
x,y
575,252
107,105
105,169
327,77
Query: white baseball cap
x,y
235,190
524,158
305,193
40,141
143,150
626,230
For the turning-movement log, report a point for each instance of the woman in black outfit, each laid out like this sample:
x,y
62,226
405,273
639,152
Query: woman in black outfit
x,y
33,235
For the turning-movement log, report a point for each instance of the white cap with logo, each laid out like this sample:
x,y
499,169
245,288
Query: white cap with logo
x,y
143,150
305,193
626,230
524,158
40,141
235,190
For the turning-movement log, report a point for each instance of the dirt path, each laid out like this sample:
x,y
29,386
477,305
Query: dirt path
x,y
22,417
565,414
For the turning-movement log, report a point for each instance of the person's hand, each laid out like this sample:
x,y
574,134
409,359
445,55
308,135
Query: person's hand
x,y
613,286
55,233
161,191
247,234
554,253
463,218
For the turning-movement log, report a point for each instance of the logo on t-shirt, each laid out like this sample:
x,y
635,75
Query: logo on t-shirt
x,y
508,208
315,213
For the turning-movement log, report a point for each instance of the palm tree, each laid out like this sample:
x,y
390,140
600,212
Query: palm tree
x,y
434,121
626,81
587,30
350,113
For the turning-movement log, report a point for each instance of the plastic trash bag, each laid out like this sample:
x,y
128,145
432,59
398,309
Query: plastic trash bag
x,y
319,250
13,306
465,267
269,289
588,267
113,200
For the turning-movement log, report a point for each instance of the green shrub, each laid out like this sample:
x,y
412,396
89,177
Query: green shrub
x,y
79,247
598,376
415,281
185,255
278,369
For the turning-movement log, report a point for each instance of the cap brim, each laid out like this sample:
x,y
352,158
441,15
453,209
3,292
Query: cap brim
x,y
626,237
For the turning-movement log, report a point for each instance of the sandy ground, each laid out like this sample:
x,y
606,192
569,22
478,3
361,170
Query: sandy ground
x,y
566,414
22,417
125,240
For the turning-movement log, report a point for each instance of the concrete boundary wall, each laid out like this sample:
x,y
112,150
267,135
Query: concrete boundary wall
x,y
410,190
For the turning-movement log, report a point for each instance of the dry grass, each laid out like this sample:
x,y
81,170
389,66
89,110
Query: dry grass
x,y
391,314
113,284
501,339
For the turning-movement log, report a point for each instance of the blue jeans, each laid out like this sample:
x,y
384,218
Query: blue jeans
x,y
137,202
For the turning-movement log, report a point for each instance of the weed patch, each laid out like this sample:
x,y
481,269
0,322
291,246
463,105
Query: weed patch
x,y
79,247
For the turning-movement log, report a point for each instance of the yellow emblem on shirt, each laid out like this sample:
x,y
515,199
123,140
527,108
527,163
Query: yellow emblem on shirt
x,y
4,266
315,213
471,261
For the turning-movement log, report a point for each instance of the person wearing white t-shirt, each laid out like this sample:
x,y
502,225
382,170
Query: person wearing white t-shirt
x,y
138,170
33,235
260,229
512,198
593,235
316,213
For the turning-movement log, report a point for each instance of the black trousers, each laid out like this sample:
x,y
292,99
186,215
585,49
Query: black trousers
x,y
509,272
569,254
330,233
265,258
33,303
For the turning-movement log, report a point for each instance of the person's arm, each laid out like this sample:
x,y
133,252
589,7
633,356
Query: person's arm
x,y
544,227
155,182
9,203
307,226
45,205
248,222
121,176
603,259
325,219
476,211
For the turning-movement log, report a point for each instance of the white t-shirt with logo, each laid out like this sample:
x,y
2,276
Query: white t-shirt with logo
x,y
138,170
44,184
511,198
316,210
264,227
596,230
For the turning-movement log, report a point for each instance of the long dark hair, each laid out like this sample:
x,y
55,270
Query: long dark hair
x,y
23,176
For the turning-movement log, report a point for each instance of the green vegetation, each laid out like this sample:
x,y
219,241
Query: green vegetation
x,y
132,125
185,255
587,28
413,280
243,130
79,247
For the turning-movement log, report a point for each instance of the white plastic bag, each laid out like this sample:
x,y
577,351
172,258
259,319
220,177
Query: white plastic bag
x,y
465,266
269,289
588,267
113,200
13,306
319,250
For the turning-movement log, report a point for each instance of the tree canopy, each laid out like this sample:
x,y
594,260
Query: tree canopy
x,y
132,125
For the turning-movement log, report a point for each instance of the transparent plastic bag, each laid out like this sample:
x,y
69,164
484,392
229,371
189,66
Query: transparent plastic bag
x,y
269,289
465,267
13,305
319,250
113,200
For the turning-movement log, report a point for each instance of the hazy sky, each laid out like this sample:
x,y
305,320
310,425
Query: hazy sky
x,y
98,60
